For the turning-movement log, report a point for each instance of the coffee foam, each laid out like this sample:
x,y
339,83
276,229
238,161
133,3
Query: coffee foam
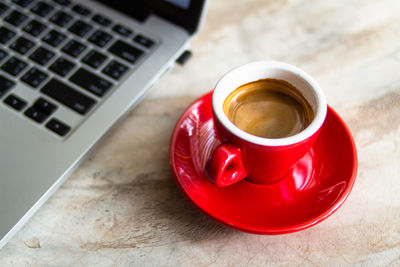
x,y
268,108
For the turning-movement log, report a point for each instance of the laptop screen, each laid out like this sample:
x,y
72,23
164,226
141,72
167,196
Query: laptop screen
x,y
185,13
180,3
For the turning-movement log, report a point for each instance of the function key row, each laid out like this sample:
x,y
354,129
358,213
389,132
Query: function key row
x,y
79,28
61,19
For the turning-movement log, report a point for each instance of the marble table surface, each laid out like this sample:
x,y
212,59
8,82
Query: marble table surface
x,y
121,207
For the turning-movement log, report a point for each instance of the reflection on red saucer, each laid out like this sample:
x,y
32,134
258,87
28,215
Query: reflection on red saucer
x,y
315,188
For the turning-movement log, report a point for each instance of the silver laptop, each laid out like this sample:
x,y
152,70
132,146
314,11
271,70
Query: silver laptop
x,y
69,70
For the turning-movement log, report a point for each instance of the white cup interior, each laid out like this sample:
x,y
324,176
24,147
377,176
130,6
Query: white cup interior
x,y
277,70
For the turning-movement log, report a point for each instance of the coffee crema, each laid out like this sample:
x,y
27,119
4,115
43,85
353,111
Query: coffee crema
x,y
268,108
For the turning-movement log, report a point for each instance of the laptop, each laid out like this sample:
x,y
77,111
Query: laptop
x,y
69,70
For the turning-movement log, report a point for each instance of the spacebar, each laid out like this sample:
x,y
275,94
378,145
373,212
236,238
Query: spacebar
x,y
68,96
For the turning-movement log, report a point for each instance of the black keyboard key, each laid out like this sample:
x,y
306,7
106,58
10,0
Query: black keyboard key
x,y
3,54
45,106
81,10
42,9
14,66
122,30
126,51
146,42
6,35
60,18
115,70
62,66
5,85
58,127
94,59
54,38
16,18
101,20
22,45
74,48
63,2
36,115
15,102
34,77
22,3
100,38
34,28
3,8
91,82
41,56
68,96
80,28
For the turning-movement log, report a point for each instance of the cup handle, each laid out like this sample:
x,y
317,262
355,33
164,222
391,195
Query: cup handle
x,y
225,166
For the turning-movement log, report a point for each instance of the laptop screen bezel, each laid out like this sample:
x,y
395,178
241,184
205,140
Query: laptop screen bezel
x,y
188,19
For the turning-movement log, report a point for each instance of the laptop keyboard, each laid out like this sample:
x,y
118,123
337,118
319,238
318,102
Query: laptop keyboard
x,y
71,55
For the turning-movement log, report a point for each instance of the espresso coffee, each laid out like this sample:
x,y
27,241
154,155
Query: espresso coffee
x,y
268,108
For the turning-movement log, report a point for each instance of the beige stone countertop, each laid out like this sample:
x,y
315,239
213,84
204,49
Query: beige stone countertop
x,y
122,207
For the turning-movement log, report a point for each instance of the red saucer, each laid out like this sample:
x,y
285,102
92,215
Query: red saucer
x,y
314,189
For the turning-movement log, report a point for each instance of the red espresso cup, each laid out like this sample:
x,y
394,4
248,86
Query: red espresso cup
x,y
261,160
